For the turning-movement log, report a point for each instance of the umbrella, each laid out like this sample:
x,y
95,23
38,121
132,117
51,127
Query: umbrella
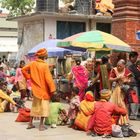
x,y
94,40
51,46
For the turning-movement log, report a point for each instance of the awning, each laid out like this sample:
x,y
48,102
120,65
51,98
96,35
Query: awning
x,y
8,45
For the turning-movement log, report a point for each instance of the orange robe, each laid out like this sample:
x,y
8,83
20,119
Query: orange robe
x,y
41,79
84,115
102,120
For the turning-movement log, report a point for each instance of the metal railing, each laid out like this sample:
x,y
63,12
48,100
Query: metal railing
x,y
85,7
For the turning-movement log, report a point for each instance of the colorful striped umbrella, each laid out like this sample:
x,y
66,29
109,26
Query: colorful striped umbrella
x,y
94,40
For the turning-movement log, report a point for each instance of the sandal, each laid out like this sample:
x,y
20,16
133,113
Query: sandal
x,y
94,134
30,127
89,132
106,136
42,128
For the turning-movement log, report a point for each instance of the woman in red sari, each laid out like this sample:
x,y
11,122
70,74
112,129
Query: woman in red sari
x,y
118,76
79,75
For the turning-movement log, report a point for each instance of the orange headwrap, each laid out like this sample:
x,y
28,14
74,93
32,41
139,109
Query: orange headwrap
x,y
105,94
42,52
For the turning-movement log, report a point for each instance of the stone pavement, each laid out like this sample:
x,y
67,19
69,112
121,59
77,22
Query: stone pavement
x,y
11,130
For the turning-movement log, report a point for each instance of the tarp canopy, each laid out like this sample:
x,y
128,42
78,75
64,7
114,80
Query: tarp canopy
x,y
53,50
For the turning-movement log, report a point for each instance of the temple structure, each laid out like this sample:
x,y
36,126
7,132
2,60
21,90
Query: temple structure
x,y
126,21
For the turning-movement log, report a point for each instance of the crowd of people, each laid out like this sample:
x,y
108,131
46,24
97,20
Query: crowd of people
x,y
101,96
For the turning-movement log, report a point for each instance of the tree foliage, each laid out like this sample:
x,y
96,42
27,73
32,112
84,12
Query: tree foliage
x,y
18,7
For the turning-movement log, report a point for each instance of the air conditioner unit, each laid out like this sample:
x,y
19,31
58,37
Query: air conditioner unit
x,y
47,5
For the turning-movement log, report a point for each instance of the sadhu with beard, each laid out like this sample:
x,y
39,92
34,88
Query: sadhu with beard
x,y
42,85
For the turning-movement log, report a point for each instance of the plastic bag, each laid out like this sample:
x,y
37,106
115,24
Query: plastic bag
x,y
117,131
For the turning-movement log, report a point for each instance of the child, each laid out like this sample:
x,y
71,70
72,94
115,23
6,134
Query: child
x,y
55,109
74,106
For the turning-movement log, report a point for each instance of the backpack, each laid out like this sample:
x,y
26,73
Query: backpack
x,y
127,132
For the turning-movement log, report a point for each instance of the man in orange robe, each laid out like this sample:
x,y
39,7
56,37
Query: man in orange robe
x,y
42,85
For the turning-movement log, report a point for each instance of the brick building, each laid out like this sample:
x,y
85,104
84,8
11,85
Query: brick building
x,y
126,19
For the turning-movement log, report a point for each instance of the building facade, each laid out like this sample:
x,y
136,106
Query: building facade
x,y
8,37
49,21
126,19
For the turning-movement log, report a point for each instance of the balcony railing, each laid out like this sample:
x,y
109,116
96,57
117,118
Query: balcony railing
x,y
85,7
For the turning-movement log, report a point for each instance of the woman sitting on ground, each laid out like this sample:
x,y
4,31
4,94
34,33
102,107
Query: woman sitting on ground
x,y
86,111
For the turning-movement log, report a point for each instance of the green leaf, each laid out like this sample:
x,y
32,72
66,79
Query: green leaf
x,y
18,7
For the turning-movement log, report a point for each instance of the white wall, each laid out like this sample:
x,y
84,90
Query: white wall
x,y
8,44
50,28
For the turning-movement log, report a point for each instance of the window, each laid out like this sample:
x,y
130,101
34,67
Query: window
x,y
105,27
67,28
